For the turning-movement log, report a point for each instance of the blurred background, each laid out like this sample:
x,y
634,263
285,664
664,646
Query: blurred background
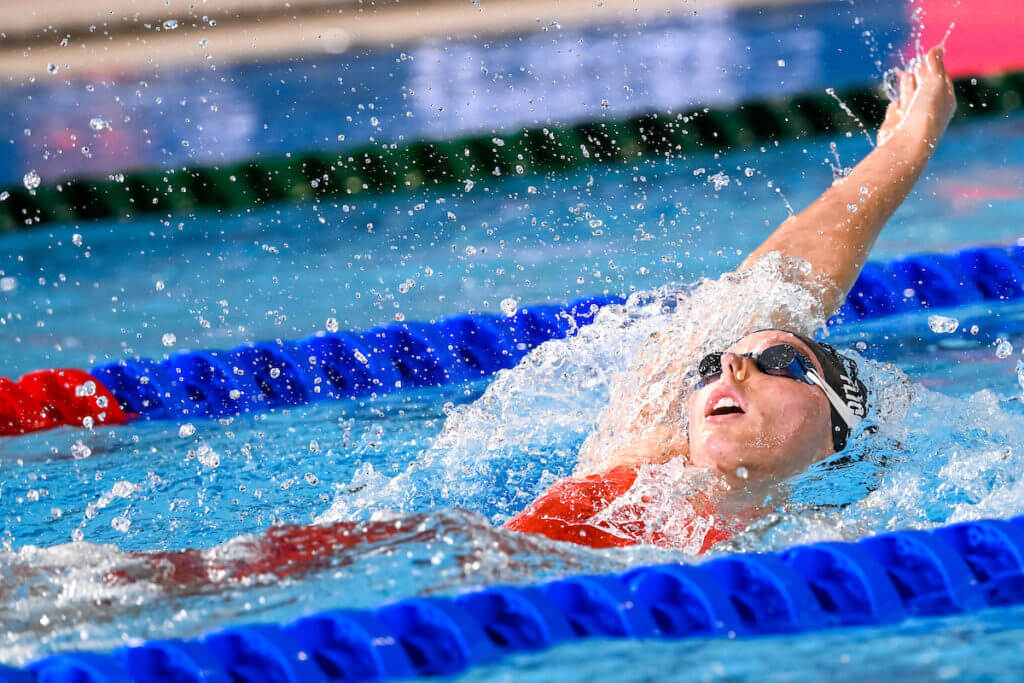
x,y
99,87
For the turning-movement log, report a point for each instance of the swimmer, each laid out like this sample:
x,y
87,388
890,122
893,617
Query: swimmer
x,y
775,401
764,408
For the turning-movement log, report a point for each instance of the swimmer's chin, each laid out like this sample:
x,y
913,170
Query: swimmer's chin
x,y
727,458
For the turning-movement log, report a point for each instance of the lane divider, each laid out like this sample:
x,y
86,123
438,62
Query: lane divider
x,y
878,580
331,366
389,166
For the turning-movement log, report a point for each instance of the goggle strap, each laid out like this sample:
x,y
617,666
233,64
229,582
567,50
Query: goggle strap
x,y
840,406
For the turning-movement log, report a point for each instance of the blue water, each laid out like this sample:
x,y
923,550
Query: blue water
x,y
948,447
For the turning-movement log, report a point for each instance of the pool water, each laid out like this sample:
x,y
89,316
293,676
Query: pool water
x,y
79,533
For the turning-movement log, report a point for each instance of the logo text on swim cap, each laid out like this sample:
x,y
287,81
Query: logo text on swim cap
x,y
854,398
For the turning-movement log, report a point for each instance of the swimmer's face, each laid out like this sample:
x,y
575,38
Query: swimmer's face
x,y
783,428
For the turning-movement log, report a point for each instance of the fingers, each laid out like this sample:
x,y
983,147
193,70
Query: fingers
x,y
934,59
908,84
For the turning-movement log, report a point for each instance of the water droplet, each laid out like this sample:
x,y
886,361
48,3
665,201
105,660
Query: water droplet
x,y
452,217
331,325
234,394
79,450
52,68
86,389
940,324
97,123
749,172
121,523
170,24
207,456
76,239
360,357
117,177
4,195
169,339
1003,349
470,250
314,446
31,180
311,479
399,317
781,63
852,208
719,180
742,472
203,42
509,307
159,285
469,186
186,430
275,372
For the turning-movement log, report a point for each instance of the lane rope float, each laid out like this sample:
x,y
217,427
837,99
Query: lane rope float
x,y
392,166
878,580
330,366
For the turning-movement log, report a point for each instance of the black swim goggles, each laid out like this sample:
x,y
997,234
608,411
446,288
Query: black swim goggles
x,y
781,360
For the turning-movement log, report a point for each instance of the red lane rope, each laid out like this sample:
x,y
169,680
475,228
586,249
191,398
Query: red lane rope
x,y
49,398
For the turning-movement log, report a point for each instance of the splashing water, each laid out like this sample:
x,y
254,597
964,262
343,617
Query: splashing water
x,y
849,112
931,459
543,420
501,451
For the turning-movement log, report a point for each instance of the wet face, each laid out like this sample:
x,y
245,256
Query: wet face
x,y
750,426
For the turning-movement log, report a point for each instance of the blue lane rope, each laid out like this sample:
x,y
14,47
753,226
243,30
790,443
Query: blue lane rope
x,y
267,375
875,581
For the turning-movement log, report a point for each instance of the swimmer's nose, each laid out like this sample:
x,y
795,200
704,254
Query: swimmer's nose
x,y
735,366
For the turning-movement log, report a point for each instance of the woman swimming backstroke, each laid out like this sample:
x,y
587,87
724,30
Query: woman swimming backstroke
x,y
774,401
760,409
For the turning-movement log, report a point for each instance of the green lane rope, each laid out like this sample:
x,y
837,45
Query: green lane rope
x,y
396,167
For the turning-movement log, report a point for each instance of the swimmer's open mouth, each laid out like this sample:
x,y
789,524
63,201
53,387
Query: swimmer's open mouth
x,y
724,401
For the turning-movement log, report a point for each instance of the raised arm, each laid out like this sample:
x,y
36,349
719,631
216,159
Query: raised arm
x,y
836,232
636,427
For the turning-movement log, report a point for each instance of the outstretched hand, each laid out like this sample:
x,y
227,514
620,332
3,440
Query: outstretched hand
x,y
926,101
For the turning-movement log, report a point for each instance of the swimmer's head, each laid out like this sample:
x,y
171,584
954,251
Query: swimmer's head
x,y
749,424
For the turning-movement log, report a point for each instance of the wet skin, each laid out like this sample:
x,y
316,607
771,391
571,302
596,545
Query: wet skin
x,y
782,425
